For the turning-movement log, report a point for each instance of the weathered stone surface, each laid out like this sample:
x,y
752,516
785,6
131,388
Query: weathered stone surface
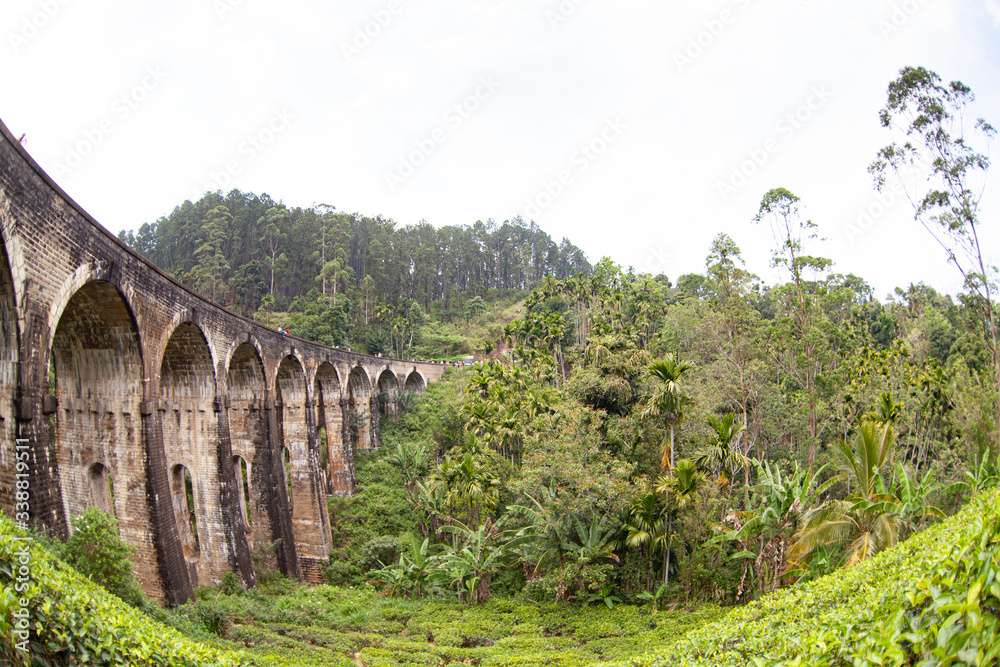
x,y
207,434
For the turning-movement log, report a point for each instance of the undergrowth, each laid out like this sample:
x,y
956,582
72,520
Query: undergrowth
x,y
932,600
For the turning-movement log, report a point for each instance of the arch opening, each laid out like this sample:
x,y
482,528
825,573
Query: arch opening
x,y
8,380
190,431
96,376
245,387
242,469
182,495
388,393
307,492
359,394
415,383
286,463
338,459
289,402
102,491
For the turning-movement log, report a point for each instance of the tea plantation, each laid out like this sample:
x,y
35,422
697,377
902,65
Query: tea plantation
x,y
932,600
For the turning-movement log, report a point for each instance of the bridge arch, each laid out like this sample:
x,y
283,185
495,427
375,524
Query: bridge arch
x,y
415,382
310,523
246,392
246,345
83,274
96,378
388,390
189,428
290,415
330,428
359,397
9,355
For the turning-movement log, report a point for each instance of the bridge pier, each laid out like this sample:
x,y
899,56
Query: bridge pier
x,y
280,508
342,458
231,501
173,582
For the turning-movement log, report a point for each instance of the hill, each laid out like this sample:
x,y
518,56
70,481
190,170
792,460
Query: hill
x,y
350,279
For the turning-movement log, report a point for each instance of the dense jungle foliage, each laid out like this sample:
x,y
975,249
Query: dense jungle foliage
x,y
695,443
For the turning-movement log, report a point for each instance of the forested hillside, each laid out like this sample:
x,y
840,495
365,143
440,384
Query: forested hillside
x,y
347,278
711,441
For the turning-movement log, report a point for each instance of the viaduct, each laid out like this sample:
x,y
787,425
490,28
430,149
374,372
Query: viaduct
x,y
208,435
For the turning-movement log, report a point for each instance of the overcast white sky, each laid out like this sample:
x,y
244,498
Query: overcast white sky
x,y
455,111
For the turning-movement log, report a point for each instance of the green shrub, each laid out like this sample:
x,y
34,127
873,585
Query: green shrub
x,y
379,552
340,573
96,550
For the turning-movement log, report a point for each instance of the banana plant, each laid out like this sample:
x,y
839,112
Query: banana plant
x,y
471,566
416,575
761,533
653,597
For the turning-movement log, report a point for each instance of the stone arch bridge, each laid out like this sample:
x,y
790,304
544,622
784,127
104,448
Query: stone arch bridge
x,y
207,434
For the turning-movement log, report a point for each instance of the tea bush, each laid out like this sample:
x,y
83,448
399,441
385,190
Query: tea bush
x,y
932,600
74,621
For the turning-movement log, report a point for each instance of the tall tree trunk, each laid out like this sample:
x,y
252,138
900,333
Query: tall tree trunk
x,y
666,558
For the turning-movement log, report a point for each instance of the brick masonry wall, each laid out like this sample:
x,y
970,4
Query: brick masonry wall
x,y
149,376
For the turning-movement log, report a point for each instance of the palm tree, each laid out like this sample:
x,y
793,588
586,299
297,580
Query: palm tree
x,y
647,527
468,482
722,454
667,400
866,518
886,411
683,489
